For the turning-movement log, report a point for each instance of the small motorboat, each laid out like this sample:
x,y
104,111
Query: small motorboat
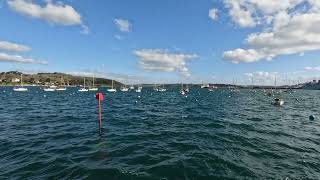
x,y
277,102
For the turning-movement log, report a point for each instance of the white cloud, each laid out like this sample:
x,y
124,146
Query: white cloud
x,y
19,59
309,68
291,30
123,25
56,13
241,55
239,15
213,14
9,46
282,78
266,78
164,61
118,37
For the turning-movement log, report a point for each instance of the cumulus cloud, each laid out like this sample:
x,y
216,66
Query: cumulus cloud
x,y
241,16
213,14
241,55
164,61
9,46
123,25
56,13
4,57
287,30
6,46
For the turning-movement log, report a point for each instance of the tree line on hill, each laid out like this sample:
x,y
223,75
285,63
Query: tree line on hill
x,y
43,79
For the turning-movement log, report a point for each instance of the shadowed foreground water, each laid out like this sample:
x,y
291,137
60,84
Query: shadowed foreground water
x,y
206,135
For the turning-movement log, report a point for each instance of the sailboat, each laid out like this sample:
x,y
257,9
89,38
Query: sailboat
x,y
182,91
21,88
62,87
49,89
212,88
124,88
205,86
131,87
187,88
162,89
93,88
277,101
83,89
139,89
155,87
112,88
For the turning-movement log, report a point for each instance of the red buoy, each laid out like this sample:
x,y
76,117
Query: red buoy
x,y
99,97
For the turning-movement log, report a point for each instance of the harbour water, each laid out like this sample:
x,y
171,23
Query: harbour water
x,y
159,135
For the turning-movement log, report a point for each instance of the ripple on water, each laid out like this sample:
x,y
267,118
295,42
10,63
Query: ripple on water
x,y
218,135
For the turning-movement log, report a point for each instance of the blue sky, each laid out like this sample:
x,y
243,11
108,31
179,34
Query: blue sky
x,y
164,41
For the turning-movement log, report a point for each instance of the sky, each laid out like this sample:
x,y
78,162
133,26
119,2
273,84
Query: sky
x,y
164,41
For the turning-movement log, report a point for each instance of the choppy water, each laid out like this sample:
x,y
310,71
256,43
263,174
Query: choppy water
x,y
206,135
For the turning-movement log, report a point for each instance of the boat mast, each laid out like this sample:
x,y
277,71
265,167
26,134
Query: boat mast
x,y
21,79
84,82
275,82
93,81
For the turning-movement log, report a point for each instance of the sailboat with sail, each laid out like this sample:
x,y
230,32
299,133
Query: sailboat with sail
x,y
112,88
20,88
83,89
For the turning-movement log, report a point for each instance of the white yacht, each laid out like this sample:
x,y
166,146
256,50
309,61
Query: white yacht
x,y
156,87
139,89
162,89
49,89
83,89
124,89
182,90
93,88
112,88
20,88
62,87
205,86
